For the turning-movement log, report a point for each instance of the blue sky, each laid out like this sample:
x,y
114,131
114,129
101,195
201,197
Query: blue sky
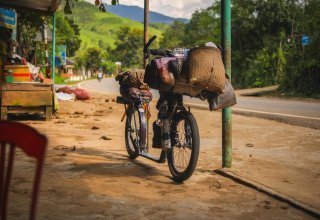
x,y
173,8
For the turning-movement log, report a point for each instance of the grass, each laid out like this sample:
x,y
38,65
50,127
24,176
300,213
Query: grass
x,y
288,95
101,26
58,79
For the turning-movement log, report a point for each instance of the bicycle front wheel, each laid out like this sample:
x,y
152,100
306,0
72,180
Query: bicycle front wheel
x,y
183,157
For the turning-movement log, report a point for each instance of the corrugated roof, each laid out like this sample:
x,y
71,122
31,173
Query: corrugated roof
x,y
41,6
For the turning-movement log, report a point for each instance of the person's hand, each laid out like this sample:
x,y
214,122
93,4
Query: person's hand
x,y
41,76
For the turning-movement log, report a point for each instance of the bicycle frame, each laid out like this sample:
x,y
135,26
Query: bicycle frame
x,y
142,134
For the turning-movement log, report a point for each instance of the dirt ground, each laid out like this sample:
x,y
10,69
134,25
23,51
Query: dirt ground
x,y
88,177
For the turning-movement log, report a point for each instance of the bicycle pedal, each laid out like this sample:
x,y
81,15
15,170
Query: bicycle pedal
x,y
156,146
166,147
144,149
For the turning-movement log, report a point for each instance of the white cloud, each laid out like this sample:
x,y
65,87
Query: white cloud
x,y
173,8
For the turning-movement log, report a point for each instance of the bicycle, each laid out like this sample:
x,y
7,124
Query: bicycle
x,y
180,140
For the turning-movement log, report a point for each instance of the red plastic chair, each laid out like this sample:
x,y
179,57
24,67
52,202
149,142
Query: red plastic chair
x,y
33,144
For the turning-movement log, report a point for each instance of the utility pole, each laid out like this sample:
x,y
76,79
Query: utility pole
x,y
226,113
146,29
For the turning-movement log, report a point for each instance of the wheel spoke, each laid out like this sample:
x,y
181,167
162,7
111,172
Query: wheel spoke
x,y
134,130
183,148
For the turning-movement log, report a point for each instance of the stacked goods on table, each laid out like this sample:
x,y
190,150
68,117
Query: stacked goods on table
x,y
15,67
17,73
20,73
18,70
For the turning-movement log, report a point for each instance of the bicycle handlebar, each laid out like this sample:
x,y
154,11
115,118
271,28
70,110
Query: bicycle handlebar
x,y
155,52
149,43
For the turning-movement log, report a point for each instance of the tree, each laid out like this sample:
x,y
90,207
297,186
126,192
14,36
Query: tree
x,y
173,36
259,31
108,67
302,73
68,33
129,47
27,26
73,42
93,59
203,27
266,42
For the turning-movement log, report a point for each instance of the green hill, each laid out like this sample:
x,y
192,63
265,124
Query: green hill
x,y
101,26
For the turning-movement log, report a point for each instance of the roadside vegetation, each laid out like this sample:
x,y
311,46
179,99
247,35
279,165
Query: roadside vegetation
x,y
267,44
107,38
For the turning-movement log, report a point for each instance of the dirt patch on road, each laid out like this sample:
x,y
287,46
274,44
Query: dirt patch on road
x,y
90,177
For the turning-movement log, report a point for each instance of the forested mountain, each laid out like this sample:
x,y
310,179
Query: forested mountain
x,y
136,13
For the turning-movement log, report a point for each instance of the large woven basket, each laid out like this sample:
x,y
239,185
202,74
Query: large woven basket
x,y
205,69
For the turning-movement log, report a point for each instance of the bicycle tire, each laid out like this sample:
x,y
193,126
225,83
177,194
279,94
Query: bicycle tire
x,y
178,175
129,141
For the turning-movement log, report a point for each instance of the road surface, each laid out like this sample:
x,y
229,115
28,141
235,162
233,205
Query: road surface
x,y
297,112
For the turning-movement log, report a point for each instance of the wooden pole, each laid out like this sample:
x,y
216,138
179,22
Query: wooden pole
x,y
145,40
146,29
45,36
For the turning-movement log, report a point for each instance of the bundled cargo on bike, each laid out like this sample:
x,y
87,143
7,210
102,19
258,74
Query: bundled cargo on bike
x,y
198,72
202,69
158,76
132,85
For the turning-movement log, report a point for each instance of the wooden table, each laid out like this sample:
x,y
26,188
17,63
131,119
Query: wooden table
x,y
17,98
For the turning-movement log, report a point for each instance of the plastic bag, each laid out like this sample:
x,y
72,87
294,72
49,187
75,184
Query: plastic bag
x,y
227,99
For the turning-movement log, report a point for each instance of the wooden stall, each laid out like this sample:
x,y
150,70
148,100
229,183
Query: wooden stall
x,y
17,98
17,93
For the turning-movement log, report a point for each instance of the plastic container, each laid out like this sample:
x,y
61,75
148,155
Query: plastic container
x,y
180,52
17,73
9,78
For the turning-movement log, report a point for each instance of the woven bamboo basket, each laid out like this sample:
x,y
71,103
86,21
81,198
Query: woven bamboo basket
x,y
205,69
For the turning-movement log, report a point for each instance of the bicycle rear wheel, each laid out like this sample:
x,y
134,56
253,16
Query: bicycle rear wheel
x,y
132,132
183,157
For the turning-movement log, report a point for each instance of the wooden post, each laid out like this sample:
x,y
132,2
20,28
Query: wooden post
x,y
146,29
145,40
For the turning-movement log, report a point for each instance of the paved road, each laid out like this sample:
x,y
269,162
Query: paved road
x,y
297,112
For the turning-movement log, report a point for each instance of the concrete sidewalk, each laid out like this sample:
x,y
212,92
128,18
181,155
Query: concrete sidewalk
x,y
255,91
